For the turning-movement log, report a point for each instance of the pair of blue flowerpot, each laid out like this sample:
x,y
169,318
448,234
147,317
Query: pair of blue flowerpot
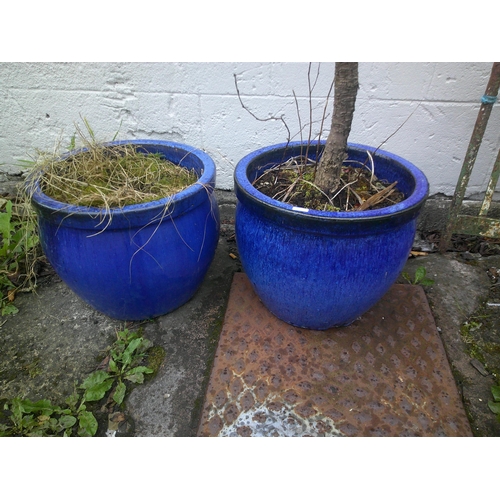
x,y
312,269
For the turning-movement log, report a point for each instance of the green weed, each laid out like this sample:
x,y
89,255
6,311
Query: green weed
x,y
494,405
125,357
420,277
42,418
18,239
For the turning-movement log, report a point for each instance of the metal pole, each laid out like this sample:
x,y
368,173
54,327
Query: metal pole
x,y
475,142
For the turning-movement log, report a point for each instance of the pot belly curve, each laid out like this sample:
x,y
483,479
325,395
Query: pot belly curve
x,y
316,271
138,273
319,281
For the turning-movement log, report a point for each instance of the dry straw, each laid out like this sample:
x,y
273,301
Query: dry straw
x,y
103,177
113,177
109,176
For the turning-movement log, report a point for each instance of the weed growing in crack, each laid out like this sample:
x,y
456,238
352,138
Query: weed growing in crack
x,y
122,367
420,277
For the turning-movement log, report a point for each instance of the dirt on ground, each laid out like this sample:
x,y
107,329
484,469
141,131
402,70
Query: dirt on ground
x,y
479,329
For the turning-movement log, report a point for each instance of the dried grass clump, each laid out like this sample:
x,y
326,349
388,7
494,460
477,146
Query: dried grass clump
x,y
112,177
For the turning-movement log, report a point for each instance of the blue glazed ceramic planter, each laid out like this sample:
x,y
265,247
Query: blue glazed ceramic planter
x,y
151,258
318,269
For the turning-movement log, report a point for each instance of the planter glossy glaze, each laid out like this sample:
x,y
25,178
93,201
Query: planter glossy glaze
x,y
318,269
151,258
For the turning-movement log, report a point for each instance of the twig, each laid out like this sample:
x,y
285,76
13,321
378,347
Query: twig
x,y
377,197
396,131
280,118
298,115
310,105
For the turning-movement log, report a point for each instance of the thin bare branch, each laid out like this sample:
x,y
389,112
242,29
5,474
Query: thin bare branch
x,y
298,115
269,118
397,130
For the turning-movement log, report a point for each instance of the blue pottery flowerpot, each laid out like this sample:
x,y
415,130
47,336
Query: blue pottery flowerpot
x,y
317,269
151,258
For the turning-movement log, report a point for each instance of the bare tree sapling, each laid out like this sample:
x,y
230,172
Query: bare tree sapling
x,y
329,168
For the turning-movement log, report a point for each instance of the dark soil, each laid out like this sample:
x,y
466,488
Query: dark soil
x,y
293,183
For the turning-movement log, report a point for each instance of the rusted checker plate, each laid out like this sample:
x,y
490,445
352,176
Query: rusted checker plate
x,y
384,375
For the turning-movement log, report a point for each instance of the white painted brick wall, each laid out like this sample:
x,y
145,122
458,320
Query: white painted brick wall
x,y
197,104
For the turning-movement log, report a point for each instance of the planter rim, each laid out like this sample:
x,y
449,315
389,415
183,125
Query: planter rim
x,y
205,180
244,187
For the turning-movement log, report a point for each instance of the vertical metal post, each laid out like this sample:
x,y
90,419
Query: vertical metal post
x,y
492,184
470,157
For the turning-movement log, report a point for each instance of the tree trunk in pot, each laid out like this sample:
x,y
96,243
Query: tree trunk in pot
x,y
334,154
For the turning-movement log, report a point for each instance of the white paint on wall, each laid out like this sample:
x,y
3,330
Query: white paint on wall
x,y
197,104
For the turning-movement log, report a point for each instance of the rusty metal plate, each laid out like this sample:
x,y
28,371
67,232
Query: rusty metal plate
x,y
384,375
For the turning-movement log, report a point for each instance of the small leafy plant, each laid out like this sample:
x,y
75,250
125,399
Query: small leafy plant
x,y
125,355
420,277
18,237
37,419
494,405
42,418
